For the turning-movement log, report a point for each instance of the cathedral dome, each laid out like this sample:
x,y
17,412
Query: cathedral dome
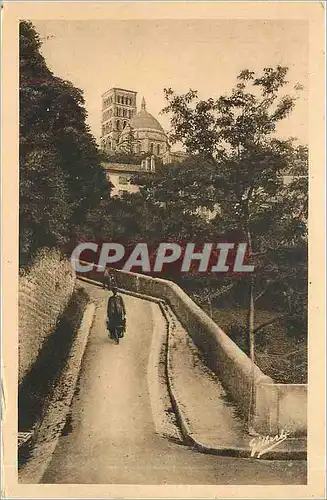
x,y
144,120
144,134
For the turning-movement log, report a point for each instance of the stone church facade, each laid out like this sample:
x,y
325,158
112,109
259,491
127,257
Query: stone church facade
x,y
126,130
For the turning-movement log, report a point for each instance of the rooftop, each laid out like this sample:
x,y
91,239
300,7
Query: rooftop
x,y
120,89
124,167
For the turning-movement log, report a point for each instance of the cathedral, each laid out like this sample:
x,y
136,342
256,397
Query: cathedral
x,y
126,130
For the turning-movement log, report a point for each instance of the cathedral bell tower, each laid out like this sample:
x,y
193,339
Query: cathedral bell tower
x,y
118,108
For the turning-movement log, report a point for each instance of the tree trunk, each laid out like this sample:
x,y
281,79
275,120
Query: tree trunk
x,y
250,335
250,320
210,305
250,332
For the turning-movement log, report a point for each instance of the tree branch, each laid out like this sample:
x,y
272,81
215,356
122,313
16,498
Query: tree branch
x,y
222,291
267,323
262,292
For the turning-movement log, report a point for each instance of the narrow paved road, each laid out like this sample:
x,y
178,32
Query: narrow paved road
x,y
112,437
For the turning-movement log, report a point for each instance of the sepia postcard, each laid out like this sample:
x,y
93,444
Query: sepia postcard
x,y
163,235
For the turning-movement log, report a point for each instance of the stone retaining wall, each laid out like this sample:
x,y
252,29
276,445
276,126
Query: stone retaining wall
x,y
282,407
44,292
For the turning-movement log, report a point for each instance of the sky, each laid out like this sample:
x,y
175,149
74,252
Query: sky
x,y
149,55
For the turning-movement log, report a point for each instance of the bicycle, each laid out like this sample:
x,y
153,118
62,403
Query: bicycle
x,y
116,332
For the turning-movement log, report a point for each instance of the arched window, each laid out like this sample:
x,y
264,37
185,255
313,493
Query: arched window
x,y
158,149
124,124
151,148
118,99
118,124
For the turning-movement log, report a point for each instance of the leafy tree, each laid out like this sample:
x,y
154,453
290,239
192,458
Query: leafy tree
x,y
61,178
129,144
177,193
238,163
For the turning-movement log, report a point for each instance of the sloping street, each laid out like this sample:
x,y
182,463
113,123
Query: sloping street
x,y
111,435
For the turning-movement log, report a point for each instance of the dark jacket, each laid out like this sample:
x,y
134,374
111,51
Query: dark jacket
x,y
116,311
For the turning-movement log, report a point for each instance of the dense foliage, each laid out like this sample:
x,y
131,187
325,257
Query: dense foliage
x,y
255,187
61,178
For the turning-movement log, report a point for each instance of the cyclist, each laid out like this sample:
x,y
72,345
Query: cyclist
x,y
116,314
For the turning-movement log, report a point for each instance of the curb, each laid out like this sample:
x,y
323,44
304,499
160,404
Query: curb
x,y
188,436
191,440
33,470
165,425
